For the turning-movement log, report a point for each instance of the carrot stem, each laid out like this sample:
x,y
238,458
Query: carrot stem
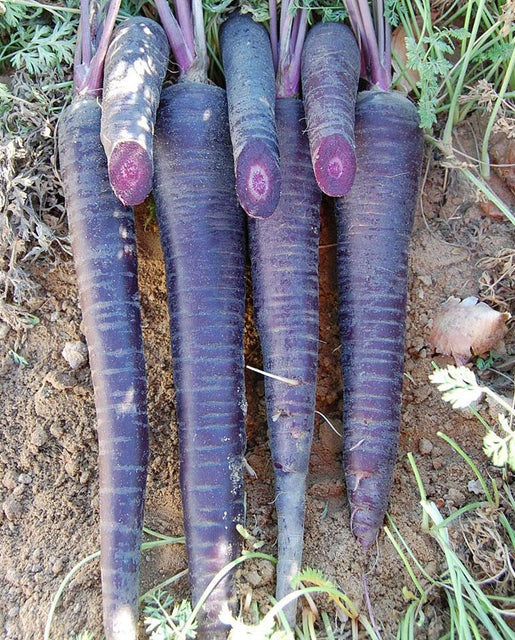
x,y
183,54
287,48
89,56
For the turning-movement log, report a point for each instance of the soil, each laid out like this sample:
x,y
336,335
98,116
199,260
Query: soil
x,y
48,448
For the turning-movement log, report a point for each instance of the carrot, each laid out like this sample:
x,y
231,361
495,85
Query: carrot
x,y
104,250
374,225
202,232
134,71
284,259
249,78
330,73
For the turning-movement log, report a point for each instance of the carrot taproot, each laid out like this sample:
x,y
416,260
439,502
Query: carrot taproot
x,y
330,73
104,251
134,71
202,233
284,260
374,222
249,79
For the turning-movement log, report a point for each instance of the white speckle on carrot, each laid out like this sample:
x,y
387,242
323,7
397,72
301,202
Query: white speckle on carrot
x,y
258,182
127,405
335,167
124,624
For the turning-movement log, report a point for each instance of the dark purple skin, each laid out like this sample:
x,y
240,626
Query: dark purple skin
x,y
104,250
134,71
250,81
374,224
330,73
202,233
284,259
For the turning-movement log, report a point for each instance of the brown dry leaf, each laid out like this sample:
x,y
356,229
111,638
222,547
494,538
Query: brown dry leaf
x,y
502,152
463,328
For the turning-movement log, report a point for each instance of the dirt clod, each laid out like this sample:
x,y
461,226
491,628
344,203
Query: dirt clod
x,y
12,508
75,353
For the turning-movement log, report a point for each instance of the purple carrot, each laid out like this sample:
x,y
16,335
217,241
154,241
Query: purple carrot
x,y
374,225
284,259
104,250
330,73
202,233
134,71
249,78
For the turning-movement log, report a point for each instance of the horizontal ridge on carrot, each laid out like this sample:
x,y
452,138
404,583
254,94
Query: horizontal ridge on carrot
x,y
330,73
202,234
104,251
284,258
374,222
134,71
249,79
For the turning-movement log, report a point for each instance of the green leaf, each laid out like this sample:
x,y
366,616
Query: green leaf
x,y
501,450
11,13
495,448
458,386
18,359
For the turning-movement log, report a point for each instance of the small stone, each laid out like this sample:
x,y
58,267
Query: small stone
x,y
9,480
456,496
422,393
425,446
61,380
71,468
474,486
38,437
267,572
11,576
254,578
58,566
24,478
4,330
56,430
437,464
75,353
12,508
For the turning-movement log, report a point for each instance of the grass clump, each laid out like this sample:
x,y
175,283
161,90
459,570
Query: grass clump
x,y
456,58
474,604
477,541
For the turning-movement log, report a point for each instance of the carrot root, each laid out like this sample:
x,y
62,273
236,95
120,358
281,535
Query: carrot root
x,y
374,226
